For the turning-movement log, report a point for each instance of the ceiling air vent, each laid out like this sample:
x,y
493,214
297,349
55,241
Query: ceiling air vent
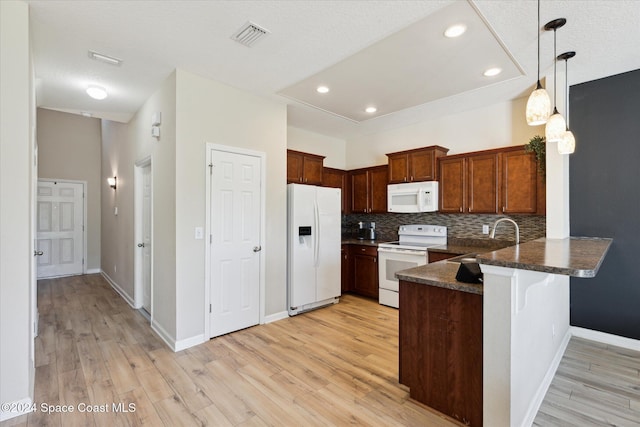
x,y
249,34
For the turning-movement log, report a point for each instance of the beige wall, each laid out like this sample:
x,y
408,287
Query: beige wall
x,y
208,111
493,126
334,149
17,121
123,146
69,148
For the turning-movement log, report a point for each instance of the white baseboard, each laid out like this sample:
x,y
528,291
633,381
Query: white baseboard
x,y
538,398
275,317
119,290
93,271
17,408
605,338
189,342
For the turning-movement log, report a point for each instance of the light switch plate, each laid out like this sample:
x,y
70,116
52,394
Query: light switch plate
x,y
485,229
199,233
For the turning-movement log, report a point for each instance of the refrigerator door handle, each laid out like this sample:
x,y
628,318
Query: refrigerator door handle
x,y
316,238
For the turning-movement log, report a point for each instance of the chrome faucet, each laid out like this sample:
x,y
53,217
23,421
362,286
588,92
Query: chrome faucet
x,y
495,224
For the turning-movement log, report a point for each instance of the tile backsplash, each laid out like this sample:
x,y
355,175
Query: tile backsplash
x,y
465,226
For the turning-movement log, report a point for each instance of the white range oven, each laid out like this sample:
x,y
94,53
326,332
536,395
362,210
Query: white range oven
x,y
409,251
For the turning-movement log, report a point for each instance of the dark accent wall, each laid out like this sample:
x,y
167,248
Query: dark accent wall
x,y
605,200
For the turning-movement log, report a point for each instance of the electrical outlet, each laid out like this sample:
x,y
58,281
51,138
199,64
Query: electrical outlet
x,y
485,229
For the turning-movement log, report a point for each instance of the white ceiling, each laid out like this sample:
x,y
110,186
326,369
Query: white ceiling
x,y
360,45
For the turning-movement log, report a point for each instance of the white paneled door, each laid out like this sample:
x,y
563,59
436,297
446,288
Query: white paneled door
x,y
235,241
60,228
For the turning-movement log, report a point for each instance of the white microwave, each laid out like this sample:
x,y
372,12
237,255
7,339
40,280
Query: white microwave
x,y
412,197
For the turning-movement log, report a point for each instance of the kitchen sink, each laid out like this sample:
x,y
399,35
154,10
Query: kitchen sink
x,y
463,258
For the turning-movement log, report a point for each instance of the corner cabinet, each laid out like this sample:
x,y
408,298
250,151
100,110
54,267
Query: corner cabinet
x,y
369,190
304,168
415,165
337,178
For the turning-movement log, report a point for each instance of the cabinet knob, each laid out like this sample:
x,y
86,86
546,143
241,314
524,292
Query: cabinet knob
x,y
412,178
460,208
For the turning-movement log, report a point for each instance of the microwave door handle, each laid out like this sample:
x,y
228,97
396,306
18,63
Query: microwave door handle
x,y
421,194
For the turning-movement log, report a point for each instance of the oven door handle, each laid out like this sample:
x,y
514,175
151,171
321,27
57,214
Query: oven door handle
x,y
402,251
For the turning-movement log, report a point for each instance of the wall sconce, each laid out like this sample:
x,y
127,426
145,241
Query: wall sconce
x,y
112,182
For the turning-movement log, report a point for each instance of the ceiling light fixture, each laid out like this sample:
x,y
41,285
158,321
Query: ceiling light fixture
x,y
97,92
492,72
371,110
455,31
556,126
105,58
322,89
567,143
539,104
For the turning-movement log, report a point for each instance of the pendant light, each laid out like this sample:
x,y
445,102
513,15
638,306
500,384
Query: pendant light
x,y
556,126
567,143
539,104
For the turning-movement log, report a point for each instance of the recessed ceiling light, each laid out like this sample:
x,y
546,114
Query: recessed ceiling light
x,y
86,114
322,89
371,110
492,72
455,30
97,92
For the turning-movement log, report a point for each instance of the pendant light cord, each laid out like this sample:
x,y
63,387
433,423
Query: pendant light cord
x,y
538,29
566,89
555,61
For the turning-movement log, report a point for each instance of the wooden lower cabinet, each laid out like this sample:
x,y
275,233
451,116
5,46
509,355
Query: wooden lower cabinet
x,y
345,269
440,344
363,269
439,256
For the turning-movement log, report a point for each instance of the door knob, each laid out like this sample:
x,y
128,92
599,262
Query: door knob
x,y
141,245
38,253
257,248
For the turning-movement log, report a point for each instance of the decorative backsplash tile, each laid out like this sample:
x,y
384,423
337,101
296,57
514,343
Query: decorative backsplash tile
x,y
458,226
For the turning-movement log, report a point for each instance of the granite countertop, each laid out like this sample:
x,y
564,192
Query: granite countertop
x,y
441,274
458,246
573,256
354,241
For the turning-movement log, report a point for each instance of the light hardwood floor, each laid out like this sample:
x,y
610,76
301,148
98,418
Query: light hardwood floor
x,y
333,366
595,385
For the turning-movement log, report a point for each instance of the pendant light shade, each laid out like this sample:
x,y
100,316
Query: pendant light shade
x,y
538,107
567,144
539,104
556,125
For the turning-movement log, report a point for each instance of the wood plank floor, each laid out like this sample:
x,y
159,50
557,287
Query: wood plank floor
x,y
595,385
333,366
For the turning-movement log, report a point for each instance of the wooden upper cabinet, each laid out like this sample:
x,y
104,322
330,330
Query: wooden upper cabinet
x,y
452,184
369,190
415,165
519,182
304,168
503,180
482,183
337,178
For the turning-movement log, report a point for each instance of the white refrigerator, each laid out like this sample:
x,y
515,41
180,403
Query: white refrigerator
x,y
313,247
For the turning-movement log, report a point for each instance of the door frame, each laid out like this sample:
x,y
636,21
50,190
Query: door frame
x,y
138,259
211,147
84,217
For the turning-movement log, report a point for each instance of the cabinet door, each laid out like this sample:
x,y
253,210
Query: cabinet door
x,y
519,182
345,269
378,180
482,183
398,168
294,167
422,166
365,275
312,170
336,178
359,191
452,185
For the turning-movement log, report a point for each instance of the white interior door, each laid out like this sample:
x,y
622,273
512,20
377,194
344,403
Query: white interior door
x,y
235,241
60,228
146,238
